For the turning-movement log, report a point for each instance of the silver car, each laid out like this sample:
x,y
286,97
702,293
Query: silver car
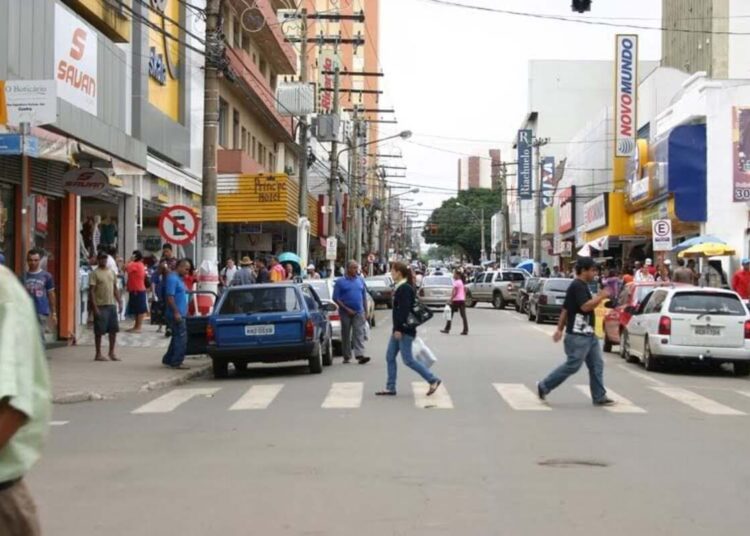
x,y
324,289
436,290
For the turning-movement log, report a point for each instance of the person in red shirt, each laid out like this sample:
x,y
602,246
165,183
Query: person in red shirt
x,y
190,280
741,280
137,299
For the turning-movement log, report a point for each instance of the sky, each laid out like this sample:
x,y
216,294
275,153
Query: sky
x,y
457,73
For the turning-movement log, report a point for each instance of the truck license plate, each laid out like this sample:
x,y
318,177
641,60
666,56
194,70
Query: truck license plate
x,y
258,331
707,330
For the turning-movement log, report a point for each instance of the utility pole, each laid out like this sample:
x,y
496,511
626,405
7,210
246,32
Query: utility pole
x,y
356,185
303,122
506,213
334,165
538,144
483,256
209,274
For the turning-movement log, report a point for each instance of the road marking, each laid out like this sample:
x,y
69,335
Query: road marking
x,y
623,404
257,397
642,376
744,393
58,423
344,395
543,330
698,402
174,399
439,400
520,397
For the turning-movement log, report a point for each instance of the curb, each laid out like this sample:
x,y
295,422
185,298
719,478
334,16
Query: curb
x,y
90,396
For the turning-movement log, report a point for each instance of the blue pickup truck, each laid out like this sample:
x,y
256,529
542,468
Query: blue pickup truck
x,y
269,323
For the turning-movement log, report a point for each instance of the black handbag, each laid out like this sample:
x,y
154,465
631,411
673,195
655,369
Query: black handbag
x,y
418,315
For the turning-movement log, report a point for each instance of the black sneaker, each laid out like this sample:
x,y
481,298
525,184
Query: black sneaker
x,y
362,360
541,394
605,402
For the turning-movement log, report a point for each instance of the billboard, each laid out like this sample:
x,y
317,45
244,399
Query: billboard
x,y
626,94
75,60
741,154
524,164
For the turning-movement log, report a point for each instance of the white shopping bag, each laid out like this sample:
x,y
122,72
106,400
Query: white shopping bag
x,y
422,353
447,313
367,329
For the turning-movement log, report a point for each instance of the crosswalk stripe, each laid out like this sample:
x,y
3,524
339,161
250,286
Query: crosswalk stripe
x,y
439,400
696,401
257,397
58,423
520,397
744,393
623,404
174,399
343,395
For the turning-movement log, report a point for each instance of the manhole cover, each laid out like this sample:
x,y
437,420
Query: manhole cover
x,y
562,462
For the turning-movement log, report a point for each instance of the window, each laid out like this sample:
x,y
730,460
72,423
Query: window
x,y
513,276
437,282
254,154
321,289
310,300
272,161
488,278
260,300
557,285
263,66
223,122
236,130
261,154
655,303
715,303
236,32
243,139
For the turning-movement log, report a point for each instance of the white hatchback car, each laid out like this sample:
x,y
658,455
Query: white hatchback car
x,y
688,323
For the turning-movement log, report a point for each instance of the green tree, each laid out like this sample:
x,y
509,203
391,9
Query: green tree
x,y
439,253
456,223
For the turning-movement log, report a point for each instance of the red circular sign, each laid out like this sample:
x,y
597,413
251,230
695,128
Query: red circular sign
x,y
178,224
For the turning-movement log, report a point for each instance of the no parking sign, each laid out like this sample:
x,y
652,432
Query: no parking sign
x,y
662,235
178,225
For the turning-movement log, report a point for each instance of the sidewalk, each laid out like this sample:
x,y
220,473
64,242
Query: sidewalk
x,y
76,377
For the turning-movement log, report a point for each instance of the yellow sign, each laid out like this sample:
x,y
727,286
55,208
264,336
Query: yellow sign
x,y
164,52
162,191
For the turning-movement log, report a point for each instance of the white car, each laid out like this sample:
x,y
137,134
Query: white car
x,y
688,323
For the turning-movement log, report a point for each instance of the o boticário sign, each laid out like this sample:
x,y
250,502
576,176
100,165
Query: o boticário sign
x,y
178,224
626,94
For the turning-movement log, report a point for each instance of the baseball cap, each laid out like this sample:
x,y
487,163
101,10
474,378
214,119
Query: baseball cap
x,y
649,262
311,267
745,261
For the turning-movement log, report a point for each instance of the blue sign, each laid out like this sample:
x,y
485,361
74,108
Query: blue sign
x,y
524,164
10,144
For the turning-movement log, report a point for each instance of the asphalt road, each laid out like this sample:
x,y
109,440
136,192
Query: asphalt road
x,y
321,455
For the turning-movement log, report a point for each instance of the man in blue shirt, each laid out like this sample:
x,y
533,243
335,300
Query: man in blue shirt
x,y
176,311
350,294
41,287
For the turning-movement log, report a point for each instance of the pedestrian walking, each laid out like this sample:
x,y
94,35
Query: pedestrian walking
x,y
741,280
41,287
246,274
403,335
105,299
581,344
177,308
262,275
228,273
350,294
683,274
25,405
458,303
167,255
136,284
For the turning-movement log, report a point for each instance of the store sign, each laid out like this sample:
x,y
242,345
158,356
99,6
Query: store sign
x,y
626,94
42,213
164,88
28,101
741,154
85,182
548,181
595,213
557,244
566,202
662,235
331,248
524,164
328,63
567,249
75,60
639,190
162,191
253,242
269,190
643,219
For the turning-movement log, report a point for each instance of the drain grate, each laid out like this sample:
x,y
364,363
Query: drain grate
x,y
566,463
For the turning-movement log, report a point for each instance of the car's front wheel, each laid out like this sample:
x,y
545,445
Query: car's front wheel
x,y
220,367
316,360
498,302
328,355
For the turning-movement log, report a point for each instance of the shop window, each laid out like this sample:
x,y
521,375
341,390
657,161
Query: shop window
x,y
237,143
223,122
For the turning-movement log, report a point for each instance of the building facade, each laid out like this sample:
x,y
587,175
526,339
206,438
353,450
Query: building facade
x,y
474,172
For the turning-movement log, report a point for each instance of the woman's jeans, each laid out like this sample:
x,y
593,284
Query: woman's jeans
x,y
404,346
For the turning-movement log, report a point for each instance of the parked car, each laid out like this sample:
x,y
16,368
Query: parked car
x,y
499,288
381,289
522,302
618,314
689,324
269,323
436,290
546,302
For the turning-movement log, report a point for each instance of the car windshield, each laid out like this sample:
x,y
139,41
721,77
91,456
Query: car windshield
x,y
513,276
260,300
706,303
321,289
376,283
437,282
557,285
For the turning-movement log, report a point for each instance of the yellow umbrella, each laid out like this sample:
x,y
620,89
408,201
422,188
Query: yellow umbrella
x,y
708,249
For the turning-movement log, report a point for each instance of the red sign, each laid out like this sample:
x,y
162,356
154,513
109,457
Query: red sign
x,y
42,213
566,201
178,225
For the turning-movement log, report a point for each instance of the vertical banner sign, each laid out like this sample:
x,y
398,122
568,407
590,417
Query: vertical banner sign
x,y
327,63
548,180
75,60
626,94
524,164
741,154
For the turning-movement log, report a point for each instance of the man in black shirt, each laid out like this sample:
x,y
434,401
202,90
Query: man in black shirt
x,y
581,344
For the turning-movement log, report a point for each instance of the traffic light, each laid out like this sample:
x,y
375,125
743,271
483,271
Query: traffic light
x,y
581,6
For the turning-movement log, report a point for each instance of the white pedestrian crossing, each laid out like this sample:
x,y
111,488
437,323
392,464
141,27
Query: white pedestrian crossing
x,y
696,401
439,400
257,397
623,404
520,397
174,399
344,395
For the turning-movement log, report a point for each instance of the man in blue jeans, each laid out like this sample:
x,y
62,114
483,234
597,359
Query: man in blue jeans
x,y
581,343
176,311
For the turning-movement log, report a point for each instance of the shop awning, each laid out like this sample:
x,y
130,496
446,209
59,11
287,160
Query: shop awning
x,y
173,174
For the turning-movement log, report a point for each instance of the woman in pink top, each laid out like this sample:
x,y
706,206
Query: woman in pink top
x,y
458,302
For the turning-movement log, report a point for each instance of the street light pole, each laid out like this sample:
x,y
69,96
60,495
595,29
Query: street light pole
x,y
483,256
538,144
